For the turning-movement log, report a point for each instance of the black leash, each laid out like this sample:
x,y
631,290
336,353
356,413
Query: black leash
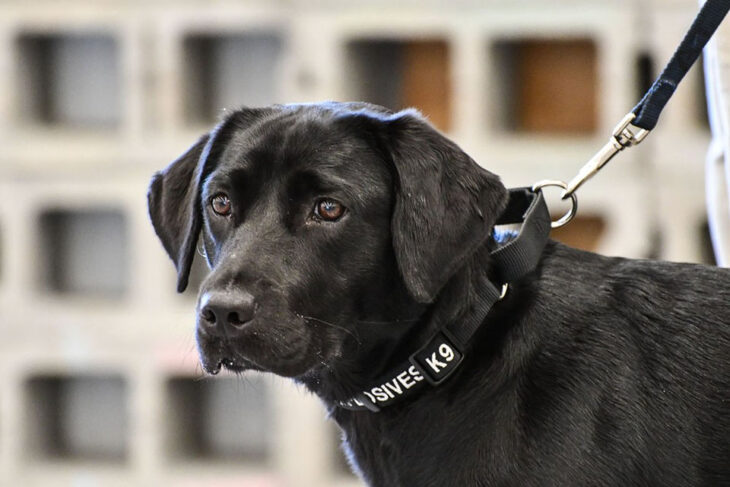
x,y
636,125
705,24
440,357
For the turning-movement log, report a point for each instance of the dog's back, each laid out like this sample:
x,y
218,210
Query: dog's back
x,y
643,348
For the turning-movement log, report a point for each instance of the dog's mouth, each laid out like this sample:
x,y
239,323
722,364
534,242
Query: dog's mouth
x,y
213,365
238,356
216,356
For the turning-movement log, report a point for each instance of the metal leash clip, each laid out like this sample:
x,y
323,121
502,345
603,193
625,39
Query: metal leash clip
x,y
573,199
624,135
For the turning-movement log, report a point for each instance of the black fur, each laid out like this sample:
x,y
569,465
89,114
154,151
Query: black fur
x,y
593,371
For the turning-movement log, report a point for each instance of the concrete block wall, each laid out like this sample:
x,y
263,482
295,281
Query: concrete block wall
x,y
100,383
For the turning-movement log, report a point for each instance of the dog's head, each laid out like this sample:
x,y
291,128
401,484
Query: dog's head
x,y
320,223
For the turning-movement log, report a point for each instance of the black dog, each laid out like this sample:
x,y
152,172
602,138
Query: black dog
x,y
341,236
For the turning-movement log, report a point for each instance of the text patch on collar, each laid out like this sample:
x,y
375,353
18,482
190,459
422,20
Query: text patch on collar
x,y
433,363
437,360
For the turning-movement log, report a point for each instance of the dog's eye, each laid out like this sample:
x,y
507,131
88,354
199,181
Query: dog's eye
x,y
221,204
329,210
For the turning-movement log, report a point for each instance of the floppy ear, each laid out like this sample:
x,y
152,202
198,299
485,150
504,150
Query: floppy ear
x,y
173,198
174,205
445,204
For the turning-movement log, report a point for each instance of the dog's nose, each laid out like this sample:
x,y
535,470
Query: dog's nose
x,y
225,314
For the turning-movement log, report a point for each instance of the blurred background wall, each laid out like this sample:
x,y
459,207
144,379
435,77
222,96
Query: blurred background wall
x,y
99,378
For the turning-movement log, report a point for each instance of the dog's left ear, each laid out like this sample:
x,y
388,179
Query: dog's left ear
x,y
445,205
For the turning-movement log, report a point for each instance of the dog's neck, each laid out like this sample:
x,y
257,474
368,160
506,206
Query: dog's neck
x,y
394,337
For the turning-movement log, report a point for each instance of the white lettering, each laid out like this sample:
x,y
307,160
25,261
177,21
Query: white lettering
x,y
446,352
379,394
393,386
405,379
415,373
434,363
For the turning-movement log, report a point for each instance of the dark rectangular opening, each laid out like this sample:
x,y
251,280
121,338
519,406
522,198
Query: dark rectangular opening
x,y
224,419
84,252
69,80
76,418
400,74
229,71
546,86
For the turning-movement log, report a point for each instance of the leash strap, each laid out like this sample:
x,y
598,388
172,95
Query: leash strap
x,y
705,24
635,126
441,355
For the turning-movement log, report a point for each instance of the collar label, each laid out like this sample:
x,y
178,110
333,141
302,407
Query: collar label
x,y
437,360
433,363
386,391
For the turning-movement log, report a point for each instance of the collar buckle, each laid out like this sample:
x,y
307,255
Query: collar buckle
x,y
438,359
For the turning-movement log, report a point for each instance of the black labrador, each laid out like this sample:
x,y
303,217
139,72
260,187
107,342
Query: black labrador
x,y
341,234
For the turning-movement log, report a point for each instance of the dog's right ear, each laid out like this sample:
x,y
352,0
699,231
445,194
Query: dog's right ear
x,y
174,195
173,201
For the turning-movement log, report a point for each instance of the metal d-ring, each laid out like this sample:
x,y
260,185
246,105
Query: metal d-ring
x,y
573,199
503,293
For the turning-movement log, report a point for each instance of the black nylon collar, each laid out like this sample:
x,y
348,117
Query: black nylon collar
x,y
440,357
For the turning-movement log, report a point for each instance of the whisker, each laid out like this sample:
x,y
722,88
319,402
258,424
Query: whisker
x,y
390,322
319,320
238,355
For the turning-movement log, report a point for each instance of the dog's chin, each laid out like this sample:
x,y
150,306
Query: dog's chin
x,y
217,355
215,361
213,365
238,365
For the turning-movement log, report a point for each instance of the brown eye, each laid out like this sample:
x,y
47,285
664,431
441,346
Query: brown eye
x,y
221,204
329,210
